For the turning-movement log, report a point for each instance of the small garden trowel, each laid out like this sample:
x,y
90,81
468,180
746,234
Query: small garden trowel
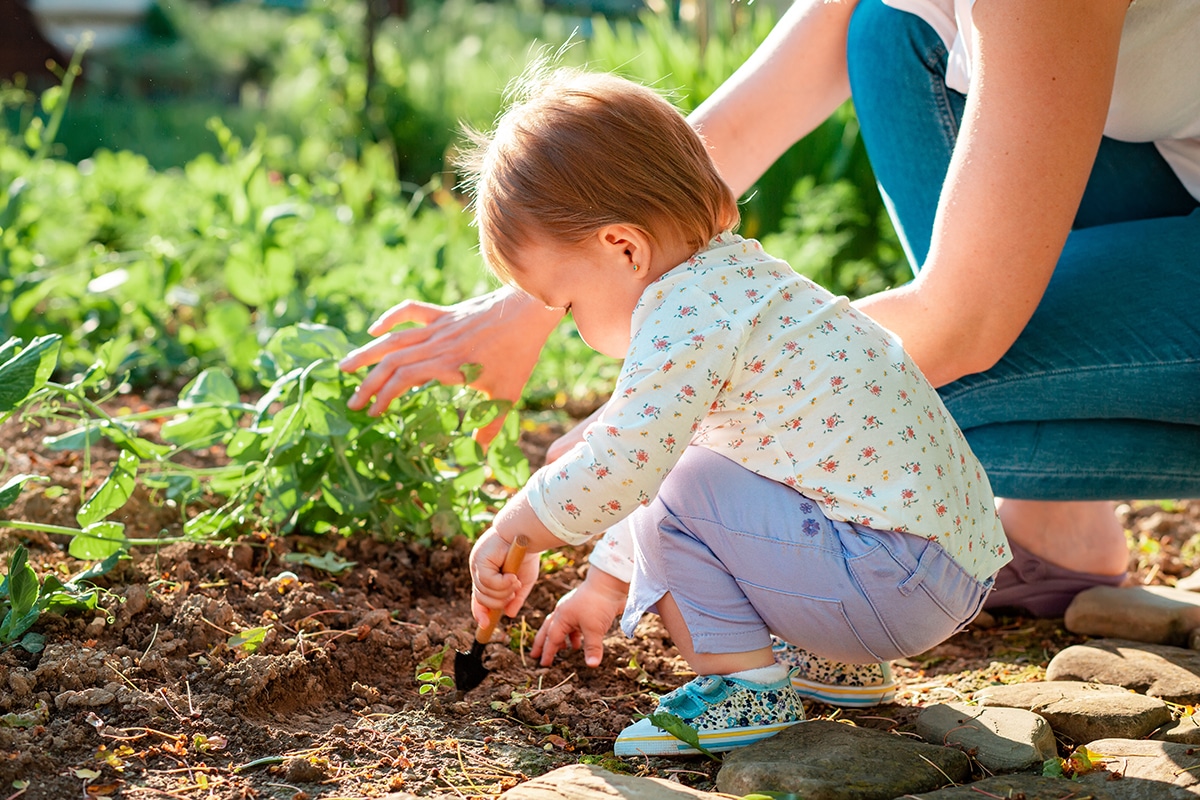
x,y
469,671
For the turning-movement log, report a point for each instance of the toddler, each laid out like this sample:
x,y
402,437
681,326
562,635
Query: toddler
x,y
772,474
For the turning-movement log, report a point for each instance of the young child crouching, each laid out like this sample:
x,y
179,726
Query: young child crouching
x,y
771,463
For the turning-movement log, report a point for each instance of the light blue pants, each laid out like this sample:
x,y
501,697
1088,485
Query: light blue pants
x,y
1099,398
744,556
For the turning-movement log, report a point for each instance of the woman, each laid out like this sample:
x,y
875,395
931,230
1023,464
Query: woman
x,y
1056,266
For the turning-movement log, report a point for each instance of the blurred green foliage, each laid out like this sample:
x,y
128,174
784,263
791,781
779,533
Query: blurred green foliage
x,y
235,174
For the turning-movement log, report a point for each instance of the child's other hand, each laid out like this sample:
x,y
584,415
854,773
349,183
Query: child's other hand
x,y
491,587
581,618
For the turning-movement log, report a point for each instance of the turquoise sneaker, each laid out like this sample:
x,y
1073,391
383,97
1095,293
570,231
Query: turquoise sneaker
x,y
833,682
726,713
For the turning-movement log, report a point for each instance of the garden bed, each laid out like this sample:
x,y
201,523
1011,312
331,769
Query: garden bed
x,y
157,696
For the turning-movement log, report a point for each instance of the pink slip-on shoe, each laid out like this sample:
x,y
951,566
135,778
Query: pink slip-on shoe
x,y
1044,590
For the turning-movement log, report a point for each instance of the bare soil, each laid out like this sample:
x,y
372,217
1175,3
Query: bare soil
x,y
150,699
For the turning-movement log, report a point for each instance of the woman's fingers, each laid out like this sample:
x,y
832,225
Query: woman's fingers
x,y
408,311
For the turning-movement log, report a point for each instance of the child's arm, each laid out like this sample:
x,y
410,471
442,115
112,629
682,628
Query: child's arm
x,y
563,444
491,587
581,618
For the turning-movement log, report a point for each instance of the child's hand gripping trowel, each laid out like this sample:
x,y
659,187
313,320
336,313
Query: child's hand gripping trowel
x,y
469,671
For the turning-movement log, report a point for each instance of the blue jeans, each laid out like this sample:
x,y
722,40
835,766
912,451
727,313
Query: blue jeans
x,y
1099,397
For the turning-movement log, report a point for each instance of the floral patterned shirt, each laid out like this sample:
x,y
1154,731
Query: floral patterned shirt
x,y
734,351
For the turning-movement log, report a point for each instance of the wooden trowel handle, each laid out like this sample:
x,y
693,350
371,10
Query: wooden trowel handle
x,y
516,554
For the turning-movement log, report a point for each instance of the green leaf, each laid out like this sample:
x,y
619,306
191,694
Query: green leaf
x,y
681,731
248,640
59,598
199,428
28,371
482,413
505,458
98,541
300,345
39,715
112,494
22,583
87,435
11,490
210,386
32,642
471,372
328,561
324,419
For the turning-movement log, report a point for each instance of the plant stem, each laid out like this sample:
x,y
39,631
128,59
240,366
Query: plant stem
x,y
63,530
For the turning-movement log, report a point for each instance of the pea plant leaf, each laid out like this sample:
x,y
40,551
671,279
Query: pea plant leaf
x,y
248,640
681,731
112,493
327,562
23,374
19,591
11,490
100,540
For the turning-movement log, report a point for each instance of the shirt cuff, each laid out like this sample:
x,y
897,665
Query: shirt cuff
x,y
535,493
613,554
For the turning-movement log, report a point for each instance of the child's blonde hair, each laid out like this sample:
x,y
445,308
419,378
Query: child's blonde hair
x,y
576,151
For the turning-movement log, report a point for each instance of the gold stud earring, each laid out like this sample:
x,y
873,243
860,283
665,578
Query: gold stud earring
x,y
636,267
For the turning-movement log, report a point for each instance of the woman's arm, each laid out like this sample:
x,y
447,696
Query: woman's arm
x,y
502,331
789,85
1039,94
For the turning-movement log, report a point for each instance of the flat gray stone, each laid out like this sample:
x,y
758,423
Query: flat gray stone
x,y
589,782
1185,730
1030,787
1172,673
1158,614
1001,739
823,760
1149,770
1083,711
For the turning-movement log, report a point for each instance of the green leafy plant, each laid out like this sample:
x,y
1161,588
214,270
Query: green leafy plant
x,y
433,682
24,598
296,460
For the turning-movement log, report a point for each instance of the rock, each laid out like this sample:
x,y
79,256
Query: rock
x,y
1172,673
1083,711
1185,730
84,698
20,682
1000,739
589,782
1158,614
1149,770
1030,787
823,760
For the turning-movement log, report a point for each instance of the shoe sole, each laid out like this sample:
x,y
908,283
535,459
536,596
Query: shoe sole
x,y
848,696
661,743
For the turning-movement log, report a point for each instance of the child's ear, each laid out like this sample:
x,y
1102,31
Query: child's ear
x,y
627,247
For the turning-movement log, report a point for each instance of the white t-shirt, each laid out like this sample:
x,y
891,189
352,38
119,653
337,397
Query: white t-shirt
x,y
1156,96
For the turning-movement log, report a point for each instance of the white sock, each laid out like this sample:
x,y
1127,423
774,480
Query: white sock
x,y
761,675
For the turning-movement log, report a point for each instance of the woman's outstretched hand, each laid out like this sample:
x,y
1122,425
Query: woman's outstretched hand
x,y
503,332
